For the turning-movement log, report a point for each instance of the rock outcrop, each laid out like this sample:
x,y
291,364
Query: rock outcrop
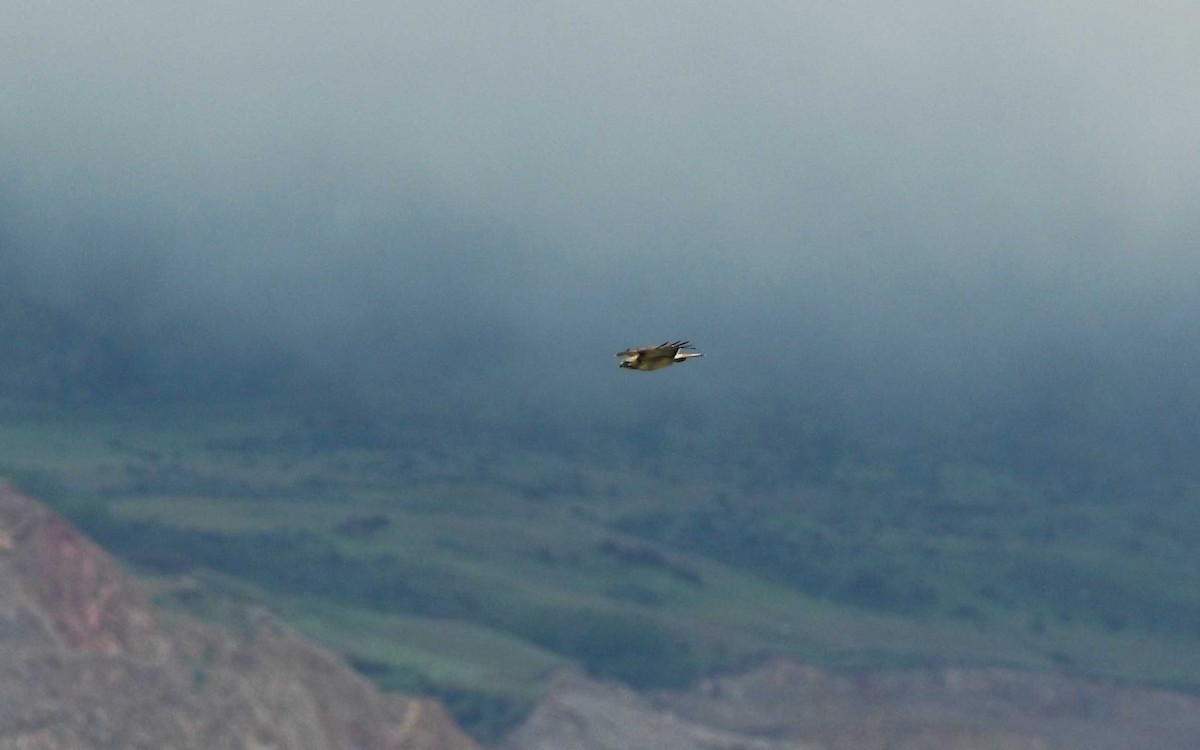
x,y
86,662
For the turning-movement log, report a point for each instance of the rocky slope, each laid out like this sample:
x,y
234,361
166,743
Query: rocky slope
x,y
87,662
785,706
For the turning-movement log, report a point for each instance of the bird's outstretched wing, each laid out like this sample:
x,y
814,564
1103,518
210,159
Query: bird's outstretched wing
x,y
665,350
657,357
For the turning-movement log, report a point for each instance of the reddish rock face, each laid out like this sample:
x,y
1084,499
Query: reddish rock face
x,y
85,661
84,594
78,592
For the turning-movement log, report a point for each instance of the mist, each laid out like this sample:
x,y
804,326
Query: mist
x,y
929,229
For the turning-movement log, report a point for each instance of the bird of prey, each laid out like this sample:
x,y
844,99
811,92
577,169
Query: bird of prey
x,y
657,357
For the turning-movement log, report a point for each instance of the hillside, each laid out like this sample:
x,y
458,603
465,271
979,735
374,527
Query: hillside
x,y
785,706
468,568
87,661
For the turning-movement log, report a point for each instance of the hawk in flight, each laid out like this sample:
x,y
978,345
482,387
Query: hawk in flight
x,y
657,357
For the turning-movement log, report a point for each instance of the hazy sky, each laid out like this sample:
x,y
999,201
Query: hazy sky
x,y
840,201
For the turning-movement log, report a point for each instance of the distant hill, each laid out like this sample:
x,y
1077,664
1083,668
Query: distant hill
x,y
786,706
87,661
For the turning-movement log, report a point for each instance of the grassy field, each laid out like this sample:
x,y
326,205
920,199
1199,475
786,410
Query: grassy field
x,y
470,573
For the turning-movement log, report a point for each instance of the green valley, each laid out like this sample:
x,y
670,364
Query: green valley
x,y
471,571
